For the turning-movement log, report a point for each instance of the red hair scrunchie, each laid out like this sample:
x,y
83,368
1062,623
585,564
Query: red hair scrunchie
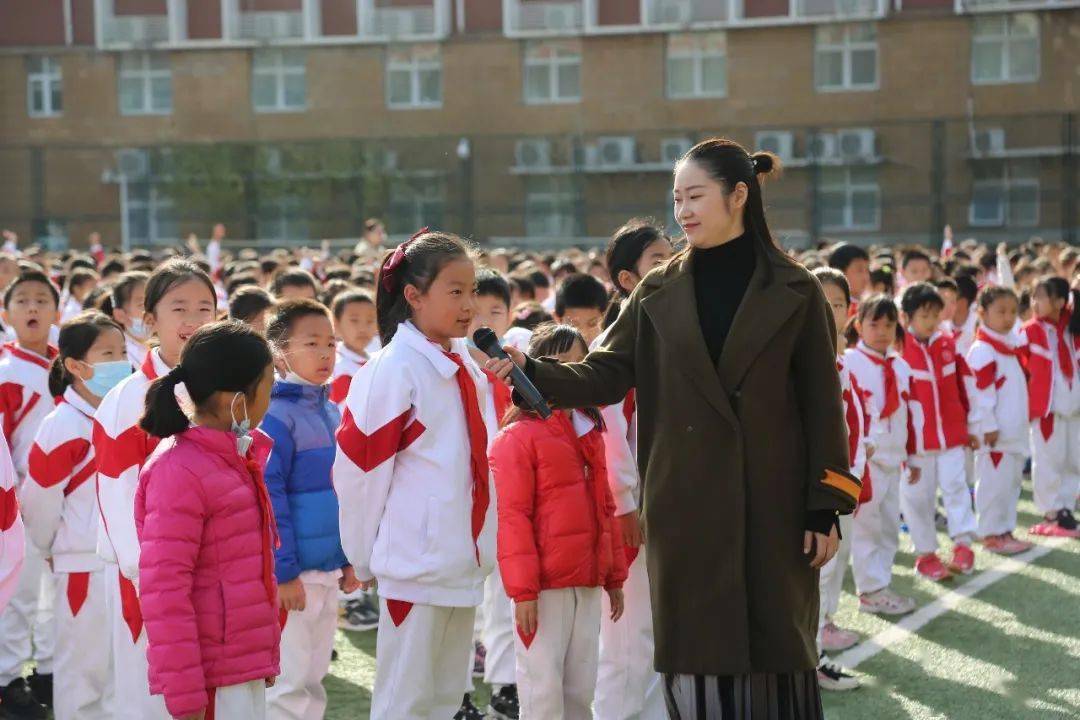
x,y
386,273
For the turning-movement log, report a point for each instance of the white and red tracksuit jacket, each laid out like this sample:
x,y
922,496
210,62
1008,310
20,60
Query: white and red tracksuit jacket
x,y
999,395
122,448
25,400
59,502
12,535
1051,358
858,425
939,404
412,510
885,382
345,367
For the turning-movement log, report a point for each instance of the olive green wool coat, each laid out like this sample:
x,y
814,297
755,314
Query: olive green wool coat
x,y
731,455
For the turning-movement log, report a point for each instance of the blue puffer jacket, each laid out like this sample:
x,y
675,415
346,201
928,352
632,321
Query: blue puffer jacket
x,y
302,422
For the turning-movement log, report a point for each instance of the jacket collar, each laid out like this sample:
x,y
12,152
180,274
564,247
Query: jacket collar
x,y
409,335
348,354
300,394
770,300
75,400
153,366
30,356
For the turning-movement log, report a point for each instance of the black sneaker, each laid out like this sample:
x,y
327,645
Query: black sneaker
x,y
18,703
505,704
41,685
468,711
833,677
360,615
1065,519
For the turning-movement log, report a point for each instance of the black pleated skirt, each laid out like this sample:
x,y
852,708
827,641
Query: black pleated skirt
x,y
756,696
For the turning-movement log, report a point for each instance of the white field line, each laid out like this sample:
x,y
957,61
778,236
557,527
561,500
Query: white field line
x,y
914,622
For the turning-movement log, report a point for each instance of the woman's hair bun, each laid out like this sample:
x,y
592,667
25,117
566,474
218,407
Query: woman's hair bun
x,y
764,162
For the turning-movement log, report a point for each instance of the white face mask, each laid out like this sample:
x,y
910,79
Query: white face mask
x,y
138,329
241,428
292,377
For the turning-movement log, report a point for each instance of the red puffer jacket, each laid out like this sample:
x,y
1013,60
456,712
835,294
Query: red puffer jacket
x,y
556,513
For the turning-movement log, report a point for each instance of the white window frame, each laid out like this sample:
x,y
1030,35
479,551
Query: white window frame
x,y
49,74
848,189
561,197
558,60
1006,37
847,48
136,67
288,215
704,47
156,202
418,63
1008,181
417,202
278,64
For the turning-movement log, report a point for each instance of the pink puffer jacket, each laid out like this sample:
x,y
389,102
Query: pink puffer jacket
x,y
207,588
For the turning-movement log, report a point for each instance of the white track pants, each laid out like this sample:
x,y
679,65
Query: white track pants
x,y
831,580
307,640
875,531
26,625
130,673
997,491
246,701
83,677
1055,463
498,635
945,470
419,662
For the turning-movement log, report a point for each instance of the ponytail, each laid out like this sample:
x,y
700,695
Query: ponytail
x,y
163,417
59,377
416,262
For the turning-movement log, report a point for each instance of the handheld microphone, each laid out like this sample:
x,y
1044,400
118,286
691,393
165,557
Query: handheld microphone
x,y
485,339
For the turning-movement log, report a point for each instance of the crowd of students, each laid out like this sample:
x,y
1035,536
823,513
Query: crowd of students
x,y
335,451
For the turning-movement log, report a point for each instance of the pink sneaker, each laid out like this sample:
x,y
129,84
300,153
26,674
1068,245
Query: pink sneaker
x,y
834,639
1005,544
963,559
930,567
885,602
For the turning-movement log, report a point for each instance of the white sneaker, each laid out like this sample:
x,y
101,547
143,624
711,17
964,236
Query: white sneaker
x,y
833,677
885,602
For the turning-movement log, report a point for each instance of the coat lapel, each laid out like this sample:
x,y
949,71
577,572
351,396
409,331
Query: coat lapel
x,y
768,303
673,309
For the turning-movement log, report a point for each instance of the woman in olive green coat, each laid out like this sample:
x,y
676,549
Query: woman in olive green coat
x,y
742,446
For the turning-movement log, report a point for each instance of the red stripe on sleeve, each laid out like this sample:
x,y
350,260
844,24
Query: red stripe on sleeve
x,y
9,508
369,451
52,468
339,389
985,376
129,449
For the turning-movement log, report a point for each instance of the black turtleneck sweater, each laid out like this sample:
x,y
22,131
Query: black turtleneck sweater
x,y
721,276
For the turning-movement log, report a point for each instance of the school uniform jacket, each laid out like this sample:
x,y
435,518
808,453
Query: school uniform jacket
x,y
1049,390
889,433
345,367
999,401
858,426
620,450
122,448
136,351
12,535
25,400
403,479
60,504
939,407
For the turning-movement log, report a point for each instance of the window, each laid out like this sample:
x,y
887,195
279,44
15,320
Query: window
x,y
697,65
44,83
278,81
151,215
283,218
845,57
552,72
416,202
850,199
145,84
1005,193
551,207
1005,48
414,77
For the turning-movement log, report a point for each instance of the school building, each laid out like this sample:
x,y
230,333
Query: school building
x,y
540,122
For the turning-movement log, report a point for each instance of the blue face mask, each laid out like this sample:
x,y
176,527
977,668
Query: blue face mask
x,y
138,329
107,375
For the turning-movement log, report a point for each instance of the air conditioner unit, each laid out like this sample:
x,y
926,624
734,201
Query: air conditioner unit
x,y
781,143
533,154
133,164
823,146
857,144
672,12
672,149
272,25
396,22
990,141
561,17
612,152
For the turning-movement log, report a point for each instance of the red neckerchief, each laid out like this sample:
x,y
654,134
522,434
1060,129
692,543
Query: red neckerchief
x,y
1065,358
33,357
892,390
998,345
478,462
148,368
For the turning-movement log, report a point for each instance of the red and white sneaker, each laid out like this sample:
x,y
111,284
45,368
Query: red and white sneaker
x,y
930,567
834,639
963,559
1005,544
1062,524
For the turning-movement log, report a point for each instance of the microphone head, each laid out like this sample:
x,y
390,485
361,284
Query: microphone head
x,y
485,337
